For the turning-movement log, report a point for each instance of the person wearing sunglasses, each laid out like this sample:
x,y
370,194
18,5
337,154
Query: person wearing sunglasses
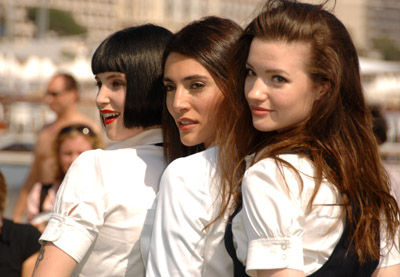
x,y
102,203
62,97
70,142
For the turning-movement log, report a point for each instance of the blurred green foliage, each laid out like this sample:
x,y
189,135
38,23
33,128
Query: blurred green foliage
x,y
60,22
387,48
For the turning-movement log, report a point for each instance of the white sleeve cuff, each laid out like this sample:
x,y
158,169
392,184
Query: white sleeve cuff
x,y
273,254
69,236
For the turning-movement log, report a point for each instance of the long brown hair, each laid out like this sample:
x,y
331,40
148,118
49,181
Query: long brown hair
x,y
337,135
208,41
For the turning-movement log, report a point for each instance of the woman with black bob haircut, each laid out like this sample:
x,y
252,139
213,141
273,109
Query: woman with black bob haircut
x,y
135,58
102,203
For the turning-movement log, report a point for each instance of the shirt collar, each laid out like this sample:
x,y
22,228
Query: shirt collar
x,y
151,136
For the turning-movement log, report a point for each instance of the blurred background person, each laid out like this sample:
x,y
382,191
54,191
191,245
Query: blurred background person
x,y
68,145
19,245
62,98
380,128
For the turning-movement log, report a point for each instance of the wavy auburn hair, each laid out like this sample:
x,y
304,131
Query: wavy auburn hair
x,y
337,136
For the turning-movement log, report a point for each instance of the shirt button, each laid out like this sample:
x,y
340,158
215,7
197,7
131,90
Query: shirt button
x,y
284,257
284,246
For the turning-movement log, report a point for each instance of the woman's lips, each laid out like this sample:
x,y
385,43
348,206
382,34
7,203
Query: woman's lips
x,y
109,116
185,124
259,111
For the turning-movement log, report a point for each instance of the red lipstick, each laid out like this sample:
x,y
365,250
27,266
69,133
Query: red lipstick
x,y
109,116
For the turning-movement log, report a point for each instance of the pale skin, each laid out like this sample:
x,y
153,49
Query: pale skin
x,y
28,265
64,104
52,261
280,95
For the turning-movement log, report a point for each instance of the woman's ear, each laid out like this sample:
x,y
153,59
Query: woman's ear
x,y
322,88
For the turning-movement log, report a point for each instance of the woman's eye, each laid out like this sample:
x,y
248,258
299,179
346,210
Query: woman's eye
x,y
168,87
118,84
250,72
278,79
197,85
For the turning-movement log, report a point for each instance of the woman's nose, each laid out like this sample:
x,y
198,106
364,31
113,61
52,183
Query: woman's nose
x,y
257,91
102,97
180,101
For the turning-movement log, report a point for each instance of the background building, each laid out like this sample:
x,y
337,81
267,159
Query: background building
x,y
373,24
102,17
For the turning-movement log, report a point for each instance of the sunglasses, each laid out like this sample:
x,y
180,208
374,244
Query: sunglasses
x,y
84,129
56,93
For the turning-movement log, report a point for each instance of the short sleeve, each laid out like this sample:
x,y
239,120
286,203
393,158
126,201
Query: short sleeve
x,y
273,218
79,209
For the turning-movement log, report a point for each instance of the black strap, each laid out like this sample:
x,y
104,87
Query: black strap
x,y
44,190
341,265
239,270
159,144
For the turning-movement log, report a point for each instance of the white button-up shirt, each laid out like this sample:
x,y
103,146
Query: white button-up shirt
x,y
275,229
102,203
187,201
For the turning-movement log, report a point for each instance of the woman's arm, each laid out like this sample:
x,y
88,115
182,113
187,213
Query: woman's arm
x,y
52,261
280,273
28,265
273,221
389,271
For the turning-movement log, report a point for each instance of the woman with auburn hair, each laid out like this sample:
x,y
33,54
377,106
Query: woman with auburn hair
x,y
101,206
183,243
315,200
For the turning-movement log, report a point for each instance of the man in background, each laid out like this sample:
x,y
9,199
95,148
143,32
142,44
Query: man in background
x,y
62,98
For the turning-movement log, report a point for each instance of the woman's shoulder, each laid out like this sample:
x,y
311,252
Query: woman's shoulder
x,y
196,171
300,163
195,163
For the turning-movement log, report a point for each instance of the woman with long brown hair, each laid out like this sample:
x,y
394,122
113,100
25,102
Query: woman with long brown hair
x,y
315,199
194,75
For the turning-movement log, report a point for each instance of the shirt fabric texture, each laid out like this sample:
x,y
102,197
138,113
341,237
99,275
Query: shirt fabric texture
x,y
101,206
17,243
187,201
275,229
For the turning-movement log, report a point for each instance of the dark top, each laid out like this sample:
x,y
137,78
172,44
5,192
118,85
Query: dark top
x,y
17,243
338,265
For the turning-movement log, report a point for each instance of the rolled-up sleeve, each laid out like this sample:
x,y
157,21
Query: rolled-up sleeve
x,y
273,219
79,209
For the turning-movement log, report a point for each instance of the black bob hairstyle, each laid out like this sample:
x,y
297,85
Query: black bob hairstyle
x,y
137,53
